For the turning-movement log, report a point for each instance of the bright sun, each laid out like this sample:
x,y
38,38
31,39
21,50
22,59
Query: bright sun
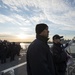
x,y
21,36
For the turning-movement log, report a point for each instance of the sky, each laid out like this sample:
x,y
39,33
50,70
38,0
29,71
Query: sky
x,y
18,18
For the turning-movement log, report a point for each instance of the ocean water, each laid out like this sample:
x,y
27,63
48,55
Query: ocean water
x,y
71,49
24,45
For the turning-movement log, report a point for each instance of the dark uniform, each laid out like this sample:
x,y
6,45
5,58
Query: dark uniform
x,y
12,51
39,58
3,52
60,58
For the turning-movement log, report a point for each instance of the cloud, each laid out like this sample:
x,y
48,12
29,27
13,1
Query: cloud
x,y
13,4
7,36
14,18
59,14
71,28
5,18
56,11
0,6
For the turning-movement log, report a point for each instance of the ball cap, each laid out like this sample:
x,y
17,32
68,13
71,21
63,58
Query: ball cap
x,y
57,37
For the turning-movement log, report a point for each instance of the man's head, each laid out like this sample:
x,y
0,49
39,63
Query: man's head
x,y
57,38
42,29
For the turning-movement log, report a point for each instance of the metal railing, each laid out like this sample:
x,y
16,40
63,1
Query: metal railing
x,y
71,68
10,71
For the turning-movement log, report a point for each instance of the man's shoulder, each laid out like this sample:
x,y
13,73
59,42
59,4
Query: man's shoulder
x,y
35,43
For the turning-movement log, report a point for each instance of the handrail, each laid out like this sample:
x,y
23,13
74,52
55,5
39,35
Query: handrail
x,y
11,70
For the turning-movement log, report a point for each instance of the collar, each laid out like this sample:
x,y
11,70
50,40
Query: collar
x,y
57,44
42,38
